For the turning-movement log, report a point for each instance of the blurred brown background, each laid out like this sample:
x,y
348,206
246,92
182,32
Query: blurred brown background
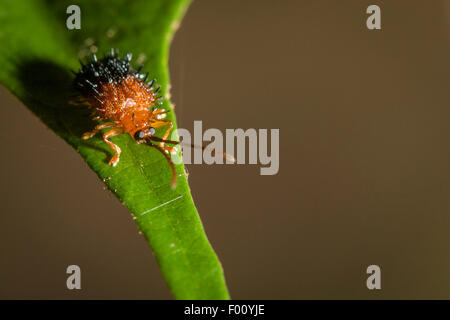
x,y
364,161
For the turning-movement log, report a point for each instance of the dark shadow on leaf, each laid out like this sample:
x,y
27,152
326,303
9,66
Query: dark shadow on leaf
x,y
48,88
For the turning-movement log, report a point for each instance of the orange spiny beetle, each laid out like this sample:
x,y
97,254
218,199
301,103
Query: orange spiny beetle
x,y
122,99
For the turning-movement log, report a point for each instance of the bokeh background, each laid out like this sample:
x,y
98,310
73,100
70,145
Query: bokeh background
x,y
364,161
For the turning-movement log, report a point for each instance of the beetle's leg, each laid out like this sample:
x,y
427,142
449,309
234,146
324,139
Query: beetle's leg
x,y
161,112
112,133
162,123
95,116
90,134
77,100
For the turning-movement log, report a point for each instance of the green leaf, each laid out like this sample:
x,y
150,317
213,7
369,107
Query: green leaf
x,y
37,52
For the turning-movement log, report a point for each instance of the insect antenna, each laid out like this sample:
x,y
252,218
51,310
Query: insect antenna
x,y
224,155
162,140
172,166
